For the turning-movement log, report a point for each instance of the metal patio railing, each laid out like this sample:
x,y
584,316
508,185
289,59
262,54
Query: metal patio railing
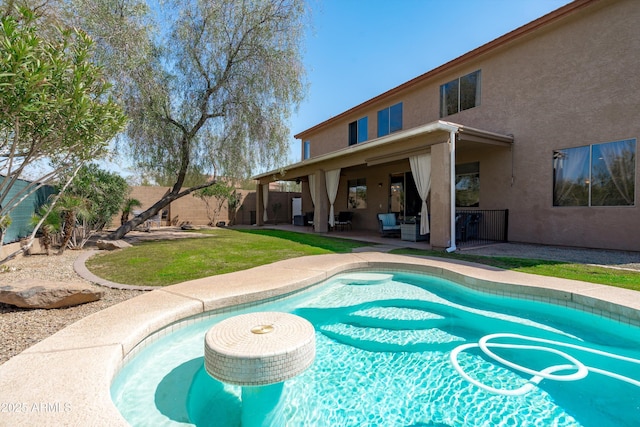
x,y
479,226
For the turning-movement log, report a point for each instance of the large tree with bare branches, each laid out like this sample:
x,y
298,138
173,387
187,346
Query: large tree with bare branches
x,y
208,85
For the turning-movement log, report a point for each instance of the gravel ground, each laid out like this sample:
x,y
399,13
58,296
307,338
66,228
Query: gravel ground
x,y
613,259
21,328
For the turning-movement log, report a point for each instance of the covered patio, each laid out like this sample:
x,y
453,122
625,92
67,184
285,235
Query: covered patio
x,y
425,152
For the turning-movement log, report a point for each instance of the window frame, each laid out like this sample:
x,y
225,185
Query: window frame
x,y
589,173
358,131
452,91
306,150
471,169
359,192
390,119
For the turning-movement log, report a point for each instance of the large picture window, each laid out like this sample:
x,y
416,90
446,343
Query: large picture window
x,y
358,131
390,120
460,94
595,175
357,195
468,185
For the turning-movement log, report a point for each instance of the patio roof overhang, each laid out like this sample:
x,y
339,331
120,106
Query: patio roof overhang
x,y
387,149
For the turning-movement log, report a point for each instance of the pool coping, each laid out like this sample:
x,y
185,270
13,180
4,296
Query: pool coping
x,y
65,379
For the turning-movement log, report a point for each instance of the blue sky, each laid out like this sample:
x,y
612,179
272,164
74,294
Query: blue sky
x,y
358,49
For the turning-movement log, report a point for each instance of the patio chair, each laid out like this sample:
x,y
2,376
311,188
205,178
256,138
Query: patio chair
x,y
388,224
308,219
344,220
467,224
154,221
145,226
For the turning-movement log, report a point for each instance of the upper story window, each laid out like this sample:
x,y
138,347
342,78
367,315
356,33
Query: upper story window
x,y
358,131
390,119
307,150
460,94
595,175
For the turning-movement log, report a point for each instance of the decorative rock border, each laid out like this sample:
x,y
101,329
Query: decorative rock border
x,y
82,270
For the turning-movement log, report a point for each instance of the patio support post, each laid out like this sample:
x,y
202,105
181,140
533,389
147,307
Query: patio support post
x,y
440,196
321,211
259,204
452,192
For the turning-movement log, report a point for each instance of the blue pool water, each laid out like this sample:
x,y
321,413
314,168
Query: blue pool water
x,y
404,349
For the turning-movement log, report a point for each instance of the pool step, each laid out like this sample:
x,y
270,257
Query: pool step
x,y
394,317
391,340
366,278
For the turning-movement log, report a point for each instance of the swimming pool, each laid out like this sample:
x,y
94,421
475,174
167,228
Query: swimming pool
x,y
409,350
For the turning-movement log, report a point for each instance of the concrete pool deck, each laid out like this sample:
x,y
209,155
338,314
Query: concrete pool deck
x,y
66,378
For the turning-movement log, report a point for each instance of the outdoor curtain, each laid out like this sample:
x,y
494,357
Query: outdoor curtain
x,y
265,201
312,188
332,178
421,170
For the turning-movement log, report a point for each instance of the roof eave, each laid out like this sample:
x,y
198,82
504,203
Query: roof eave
x,y
477,135
368,145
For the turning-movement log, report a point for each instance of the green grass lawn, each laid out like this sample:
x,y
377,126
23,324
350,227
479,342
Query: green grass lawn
x,y
162,263
586,273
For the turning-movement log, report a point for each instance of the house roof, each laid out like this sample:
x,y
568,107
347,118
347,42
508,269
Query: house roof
x,y
518,33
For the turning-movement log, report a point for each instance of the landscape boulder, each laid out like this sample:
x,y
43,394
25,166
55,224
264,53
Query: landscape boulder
x,y
111,245
47,294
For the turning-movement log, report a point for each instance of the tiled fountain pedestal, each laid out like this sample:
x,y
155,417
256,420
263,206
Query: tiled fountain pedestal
x,y
259,351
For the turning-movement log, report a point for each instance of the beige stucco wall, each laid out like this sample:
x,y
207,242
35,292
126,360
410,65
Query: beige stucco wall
x,y
568,87
571,83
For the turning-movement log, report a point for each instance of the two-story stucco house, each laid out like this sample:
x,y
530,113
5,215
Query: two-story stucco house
x,y
542,121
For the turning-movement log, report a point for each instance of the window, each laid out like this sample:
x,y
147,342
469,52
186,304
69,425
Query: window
x,y
307,150
403,195
468,185
358,131
357,196
396,194
595,175
390,120
460,94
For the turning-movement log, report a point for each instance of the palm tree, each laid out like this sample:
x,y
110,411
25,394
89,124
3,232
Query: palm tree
x,y
127,208
70,208
50,226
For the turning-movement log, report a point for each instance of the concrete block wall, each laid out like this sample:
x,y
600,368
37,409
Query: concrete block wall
x,y
193,210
